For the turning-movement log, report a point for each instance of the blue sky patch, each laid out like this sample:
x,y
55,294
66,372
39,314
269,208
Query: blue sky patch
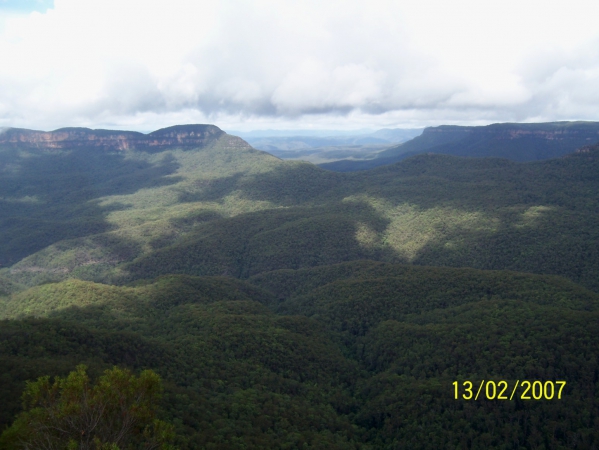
x,y
26,6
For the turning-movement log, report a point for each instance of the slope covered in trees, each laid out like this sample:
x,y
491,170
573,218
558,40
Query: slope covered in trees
x,y
286,306
357,355
233,210
432,210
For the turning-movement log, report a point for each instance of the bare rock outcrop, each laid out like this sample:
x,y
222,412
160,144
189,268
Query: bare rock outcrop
x,y
179,136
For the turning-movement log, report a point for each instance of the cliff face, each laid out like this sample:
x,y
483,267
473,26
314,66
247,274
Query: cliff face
x,y
516,141
180,136
543,131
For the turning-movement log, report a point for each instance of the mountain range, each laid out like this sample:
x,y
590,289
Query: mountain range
x,y
515,141
289,306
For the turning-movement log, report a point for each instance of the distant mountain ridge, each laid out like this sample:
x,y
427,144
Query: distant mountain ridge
x,y
302,140
66,138
515,141
320,147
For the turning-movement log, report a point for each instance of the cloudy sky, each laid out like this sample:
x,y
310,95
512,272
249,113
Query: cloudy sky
x,y
296,64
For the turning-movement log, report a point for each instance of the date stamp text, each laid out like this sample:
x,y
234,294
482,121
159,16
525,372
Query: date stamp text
x,y
503,390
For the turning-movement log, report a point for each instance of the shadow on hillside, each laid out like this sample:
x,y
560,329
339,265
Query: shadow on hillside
x,y
425,181
558,243
430,210
282,238
48,196
472,210
290,185
211,190
184,225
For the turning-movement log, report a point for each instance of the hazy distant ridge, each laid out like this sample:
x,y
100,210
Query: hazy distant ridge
x,y
516,141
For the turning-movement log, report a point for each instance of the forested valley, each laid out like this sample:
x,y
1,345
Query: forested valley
x,y
287,306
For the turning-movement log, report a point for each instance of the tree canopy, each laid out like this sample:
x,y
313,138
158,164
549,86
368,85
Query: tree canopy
x,y
118,412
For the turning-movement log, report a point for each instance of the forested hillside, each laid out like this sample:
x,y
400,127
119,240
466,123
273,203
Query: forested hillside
x,y
287,306
116,216
371,366
515,141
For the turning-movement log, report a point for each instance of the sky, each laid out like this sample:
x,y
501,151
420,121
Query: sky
x,y
290,64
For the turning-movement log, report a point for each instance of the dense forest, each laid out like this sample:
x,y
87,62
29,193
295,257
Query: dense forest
x,y
286,306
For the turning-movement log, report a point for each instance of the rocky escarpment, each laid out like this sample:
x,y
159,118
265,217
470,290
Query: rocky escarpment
x,y
546,131
516,141
180,136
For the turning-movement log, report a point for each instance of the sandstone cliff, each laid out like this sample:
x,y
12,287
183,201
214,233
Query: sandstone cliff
x,y
181,136
516,141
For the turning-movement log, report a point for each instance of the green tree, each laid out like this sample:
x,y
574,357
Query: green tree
x,y
117,413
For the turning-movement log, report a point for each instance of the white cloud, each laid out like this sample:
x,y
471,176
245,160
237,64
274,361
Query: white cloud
x,y
268,63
